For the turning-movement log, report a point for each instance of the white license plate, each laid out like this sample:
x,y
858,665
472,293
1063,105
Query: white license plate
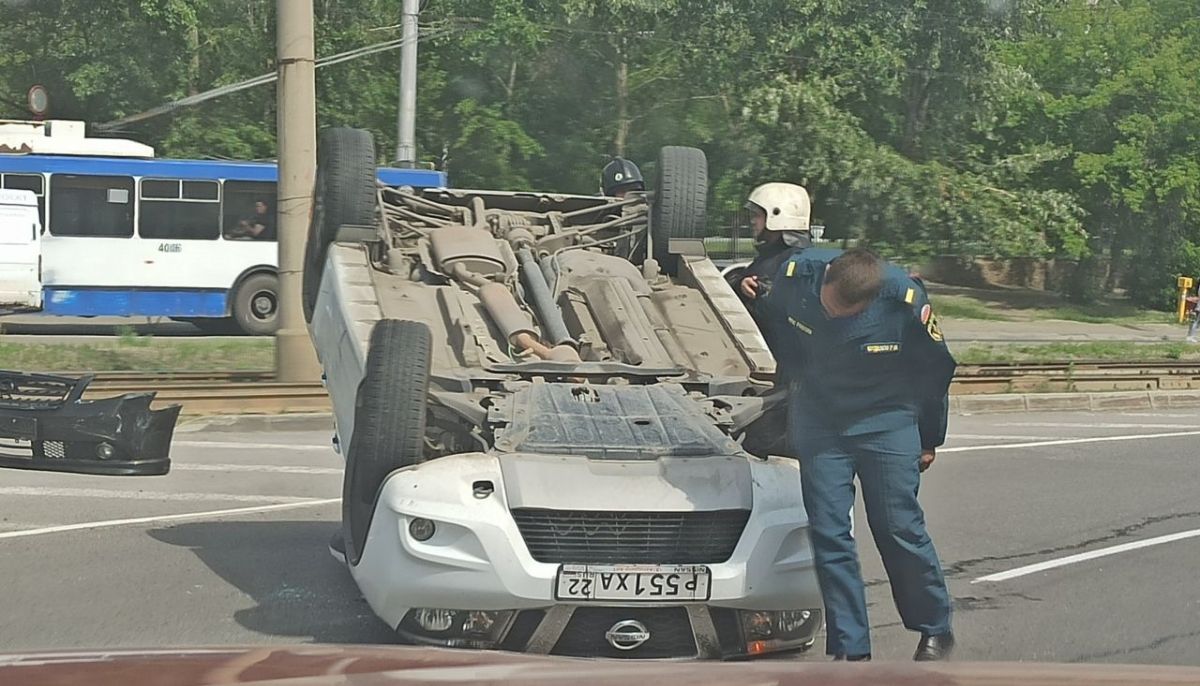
x,y
633,583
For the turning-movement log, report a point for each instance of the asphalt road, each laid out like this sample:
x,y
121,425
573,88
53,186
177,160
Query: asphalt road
x,y
261,573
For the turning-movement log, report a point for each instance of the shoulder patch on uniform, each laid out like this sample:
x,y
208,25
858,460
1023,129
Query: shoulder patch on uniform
x,y
801,265
897,287
935,331
926,313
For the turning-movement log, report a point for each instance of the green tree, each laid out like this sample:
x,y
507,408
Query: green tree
x,y
1119,92
1047,128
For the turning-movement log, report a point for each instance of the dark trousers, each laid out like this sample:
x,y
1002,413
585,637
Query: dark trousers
x,y
886,463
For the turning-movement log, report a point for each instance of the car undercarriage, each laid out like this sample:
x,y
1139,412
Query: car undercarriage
x,y
541,398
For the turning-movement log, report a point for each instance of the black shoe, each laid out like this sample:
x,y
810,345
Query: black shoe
x,y
934,648
852,658
337,547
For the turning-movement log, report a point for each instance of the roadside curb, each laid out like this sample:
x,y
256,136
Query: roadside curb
x,y
1068,402
959,405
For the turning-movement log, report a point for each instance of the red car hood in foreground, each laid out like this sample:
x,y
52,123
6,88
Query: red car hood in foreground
x,y
390,666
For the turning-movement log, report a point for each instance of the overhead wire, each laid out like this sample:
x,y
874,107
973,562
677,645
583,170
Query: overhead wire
x,y
264,79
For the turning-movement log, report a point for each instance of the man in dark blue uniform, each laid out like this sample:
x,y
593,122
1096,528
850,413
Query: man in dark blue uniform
x,y
868,374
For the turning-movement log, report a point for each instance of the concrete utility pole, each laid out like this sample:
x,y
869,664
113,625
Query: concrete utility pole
x,y
295,359
406,138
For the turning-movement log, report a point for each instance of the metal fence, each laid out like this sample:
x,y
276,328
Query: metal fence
x,y
734,242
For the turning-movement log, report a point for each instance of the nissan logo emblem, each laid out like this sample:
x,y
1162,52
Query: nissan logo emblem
x,y
627,635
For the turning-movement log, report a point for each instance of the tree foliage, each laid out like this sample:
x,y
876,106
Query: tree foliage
x,y
1047,128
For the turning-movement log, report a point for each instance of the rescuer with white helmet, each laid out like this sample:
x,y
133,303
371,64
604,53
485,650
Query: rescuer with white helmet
x,y
780,214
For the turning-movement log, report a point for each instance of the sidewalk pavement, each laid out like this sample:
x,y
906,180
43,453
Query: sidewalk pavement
x,y
959,331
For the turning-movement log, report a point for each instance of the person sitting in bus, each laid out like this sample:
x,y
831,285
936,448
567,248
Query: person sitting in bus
x,y
258,226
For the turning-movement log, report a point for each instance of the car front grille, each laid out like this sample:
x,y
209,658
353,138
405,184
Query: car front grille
x,y
669,629
35,391
597,537
522,629
729,630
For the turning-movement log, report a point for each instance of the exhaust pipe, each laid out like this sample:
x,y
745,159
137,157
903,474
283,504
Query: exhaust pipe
x,y
502,307
543,300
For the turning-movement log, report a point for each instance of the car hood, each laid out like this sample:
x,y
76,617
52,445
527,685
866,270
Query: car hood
x,y
316,665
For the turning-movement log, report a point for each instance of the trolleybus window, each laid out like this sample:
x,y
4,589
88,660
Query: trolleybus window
x,y
249,210
98,206
173,209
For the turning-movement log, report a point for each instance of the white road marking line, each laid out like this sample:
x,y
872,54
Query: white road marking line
x,y
1067,425
1158,415
48,492
1001,437
253,446
267,468
1065,441
1084,557
210,514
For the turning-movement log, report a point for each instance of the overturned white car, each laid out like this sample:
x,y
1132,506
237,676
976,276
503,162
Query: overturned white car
x,y
539,397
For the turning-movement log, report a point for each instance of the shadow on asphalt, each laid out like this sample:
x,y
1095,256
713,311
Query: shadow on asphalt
x,y
299,590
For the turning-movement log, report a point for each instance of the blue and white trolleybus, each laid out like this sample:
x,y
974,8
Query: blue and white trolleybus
x,y
126,234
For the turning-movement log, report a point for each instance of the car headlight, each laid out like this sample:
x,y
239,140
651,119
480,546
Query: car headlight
x,y
456,628
767,631
434,621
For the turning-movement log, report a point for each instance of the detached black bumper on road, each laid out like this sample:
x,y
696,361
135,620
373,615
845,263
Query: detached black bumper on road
x,y
44,425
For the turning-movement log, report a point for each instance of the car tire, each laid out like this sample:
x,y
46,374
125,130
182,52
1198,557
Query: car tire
x,y
680,204
389,422
344,193
255,305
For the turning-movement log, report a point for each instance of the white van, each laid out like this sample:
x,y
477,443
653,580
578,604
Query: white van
x,y
20,250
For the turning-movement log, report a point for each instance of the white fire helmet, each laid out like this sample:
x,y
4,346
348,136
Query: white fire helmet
x,y
785,204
